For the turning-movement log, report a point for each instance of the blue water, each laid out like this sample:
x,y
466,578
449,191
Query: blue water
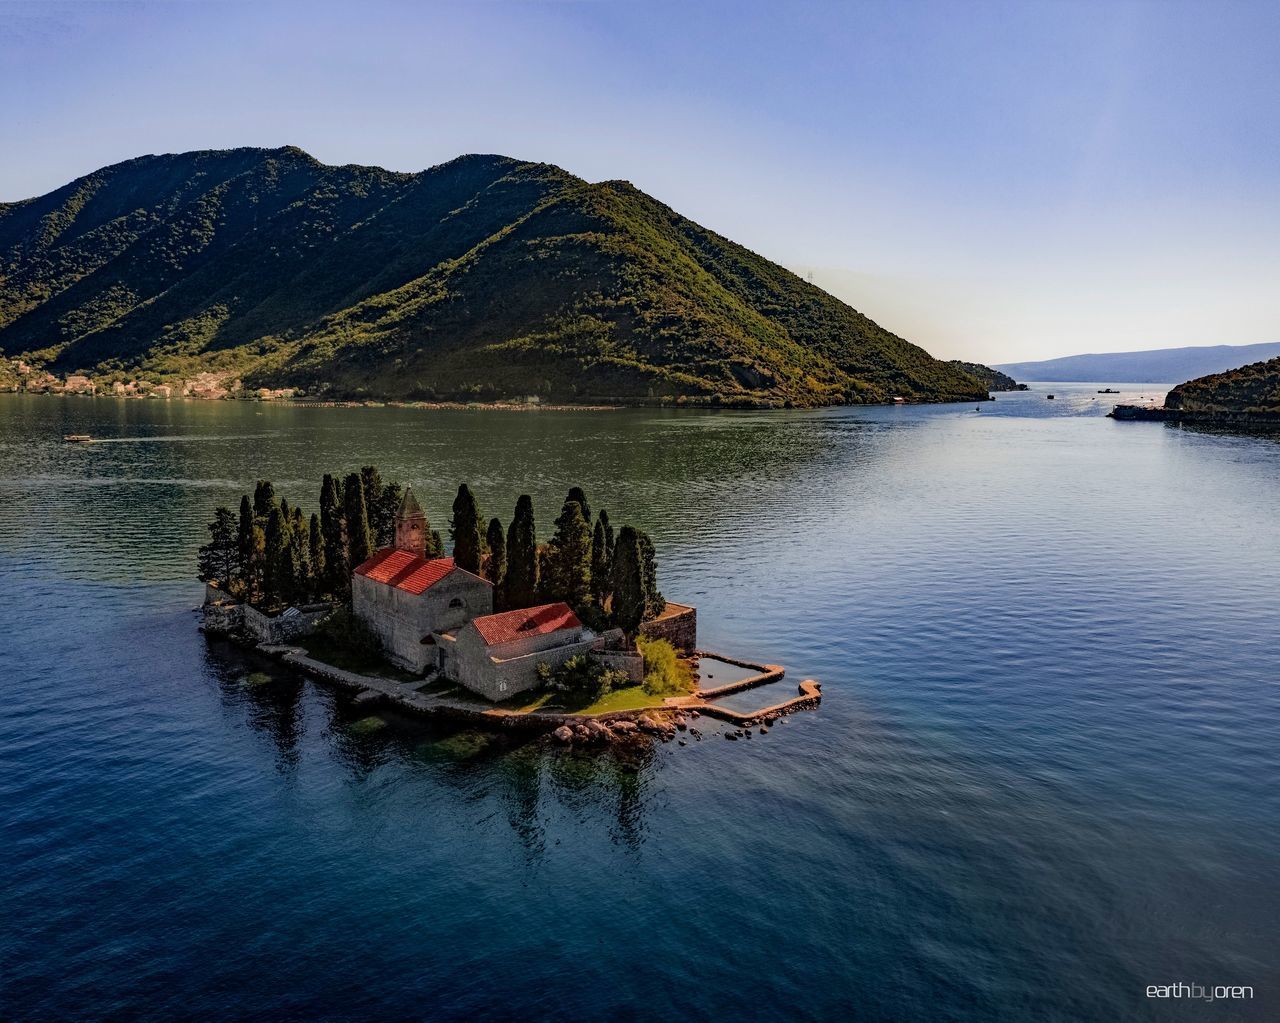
x,y
1044,774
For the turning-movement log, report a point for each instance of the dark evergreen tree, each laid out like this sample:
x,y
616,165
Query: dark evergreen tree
x,y
244,539
435,548
356,520
300,558
628,604
571,558
337,565
654,602
522,557
467,531
388,504
600,574
578,496
315,542
219,559
382,501
277,569
496,564
264,499
608,533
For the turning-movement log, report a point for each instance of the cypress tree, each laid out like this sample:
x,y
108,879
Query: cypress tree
x,y
654,602
435,549
258,563
388,504
466,531
244,540
578,496
571,557
315,541
219,559
600,564
356,519
628,582
522,557
608,533
264,498
276,568
300,557
337,566
497,563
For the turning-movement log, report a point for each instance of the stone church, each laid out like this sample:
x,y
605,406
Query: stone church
x,y
429,614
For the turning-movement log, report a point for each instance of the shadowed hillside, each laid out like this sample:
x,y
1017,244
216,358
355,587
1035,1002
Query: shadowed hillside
x,y
1252,388
482,278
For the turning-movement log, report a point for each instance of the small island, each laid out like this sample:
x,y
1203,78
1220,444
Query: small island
x,y
571,636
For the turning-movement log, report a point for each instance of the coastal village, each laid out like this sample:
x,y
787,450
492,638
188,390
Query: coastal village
x,y
459,635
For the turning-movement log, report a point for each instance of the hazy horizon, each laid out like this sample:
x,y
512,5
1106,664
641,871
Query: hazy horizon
x,y
997,182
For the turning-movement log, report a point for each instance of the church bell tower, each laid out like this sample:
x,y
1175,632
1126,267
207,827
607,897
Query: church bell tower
x,y
411,525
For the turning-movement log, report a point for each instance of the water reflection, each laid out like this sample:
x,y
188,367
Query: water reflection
x,y
530,778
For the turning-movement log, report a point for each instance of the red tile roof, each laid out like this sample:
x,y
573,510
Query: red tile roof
x,y
526,622
405,570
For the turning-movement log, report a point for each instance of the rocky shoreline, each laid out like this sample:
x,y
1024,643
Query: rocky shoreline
x,y
1226,419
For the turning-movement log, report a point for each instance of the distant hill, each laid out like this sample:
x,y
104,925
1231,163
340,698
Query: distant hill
x,y
1252,388
994,379
1161,366
485,277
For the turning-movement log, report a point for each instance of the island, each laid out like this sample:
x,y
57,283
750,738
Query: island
x,y
571,636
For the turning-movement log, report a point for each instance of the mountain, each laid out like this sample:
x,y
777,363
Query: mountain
x,y
1155,367
485,277
1252,388
992,378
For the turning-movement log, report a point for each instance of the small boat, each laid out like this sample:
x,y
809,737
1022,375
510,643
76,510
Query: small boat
x,y
76,438
1109,390
1049,396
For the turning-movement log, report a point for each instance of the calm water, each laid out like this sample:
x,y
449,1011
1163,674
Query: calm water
x,y
1044,775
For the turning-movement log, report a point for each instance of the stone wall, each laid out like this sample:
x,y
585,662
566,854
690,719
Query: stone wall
x,y
222,618
678,625
402,620
622,660
285,627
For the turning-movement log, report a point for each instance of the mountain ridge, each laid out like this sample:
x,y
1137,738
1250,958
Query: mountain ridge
x,y
1157,366
483,277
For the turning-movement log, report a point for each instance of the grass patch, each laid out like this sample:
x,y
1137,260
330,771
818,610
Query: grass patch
x,y
366,726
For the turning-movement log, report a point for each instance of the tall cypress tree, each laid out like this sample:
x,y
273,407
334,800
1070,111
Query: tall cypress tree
x,y
608,533
522,557
467,531
571,557
264,499
654,602
578,495
356,519
497,562
315,541
300,557
337,566
244,540
277,572
600,564
628,582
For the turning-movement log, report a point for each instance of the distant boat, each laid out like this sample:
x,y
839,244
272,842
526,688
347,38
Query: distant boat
x,y
1108,390
76,438
1049,396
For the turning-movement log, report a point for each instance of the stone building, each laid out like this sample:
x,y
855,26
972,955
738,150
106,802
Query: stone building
x,y
498,655
408,601
430,614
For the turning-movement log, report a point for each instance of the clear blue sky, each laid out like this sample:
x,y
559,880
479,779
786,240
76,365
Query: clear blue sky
x,y
996,181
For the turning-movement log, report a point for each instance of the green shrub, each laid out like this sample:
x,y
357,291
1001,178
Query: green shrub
x,y
581,678
664,672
